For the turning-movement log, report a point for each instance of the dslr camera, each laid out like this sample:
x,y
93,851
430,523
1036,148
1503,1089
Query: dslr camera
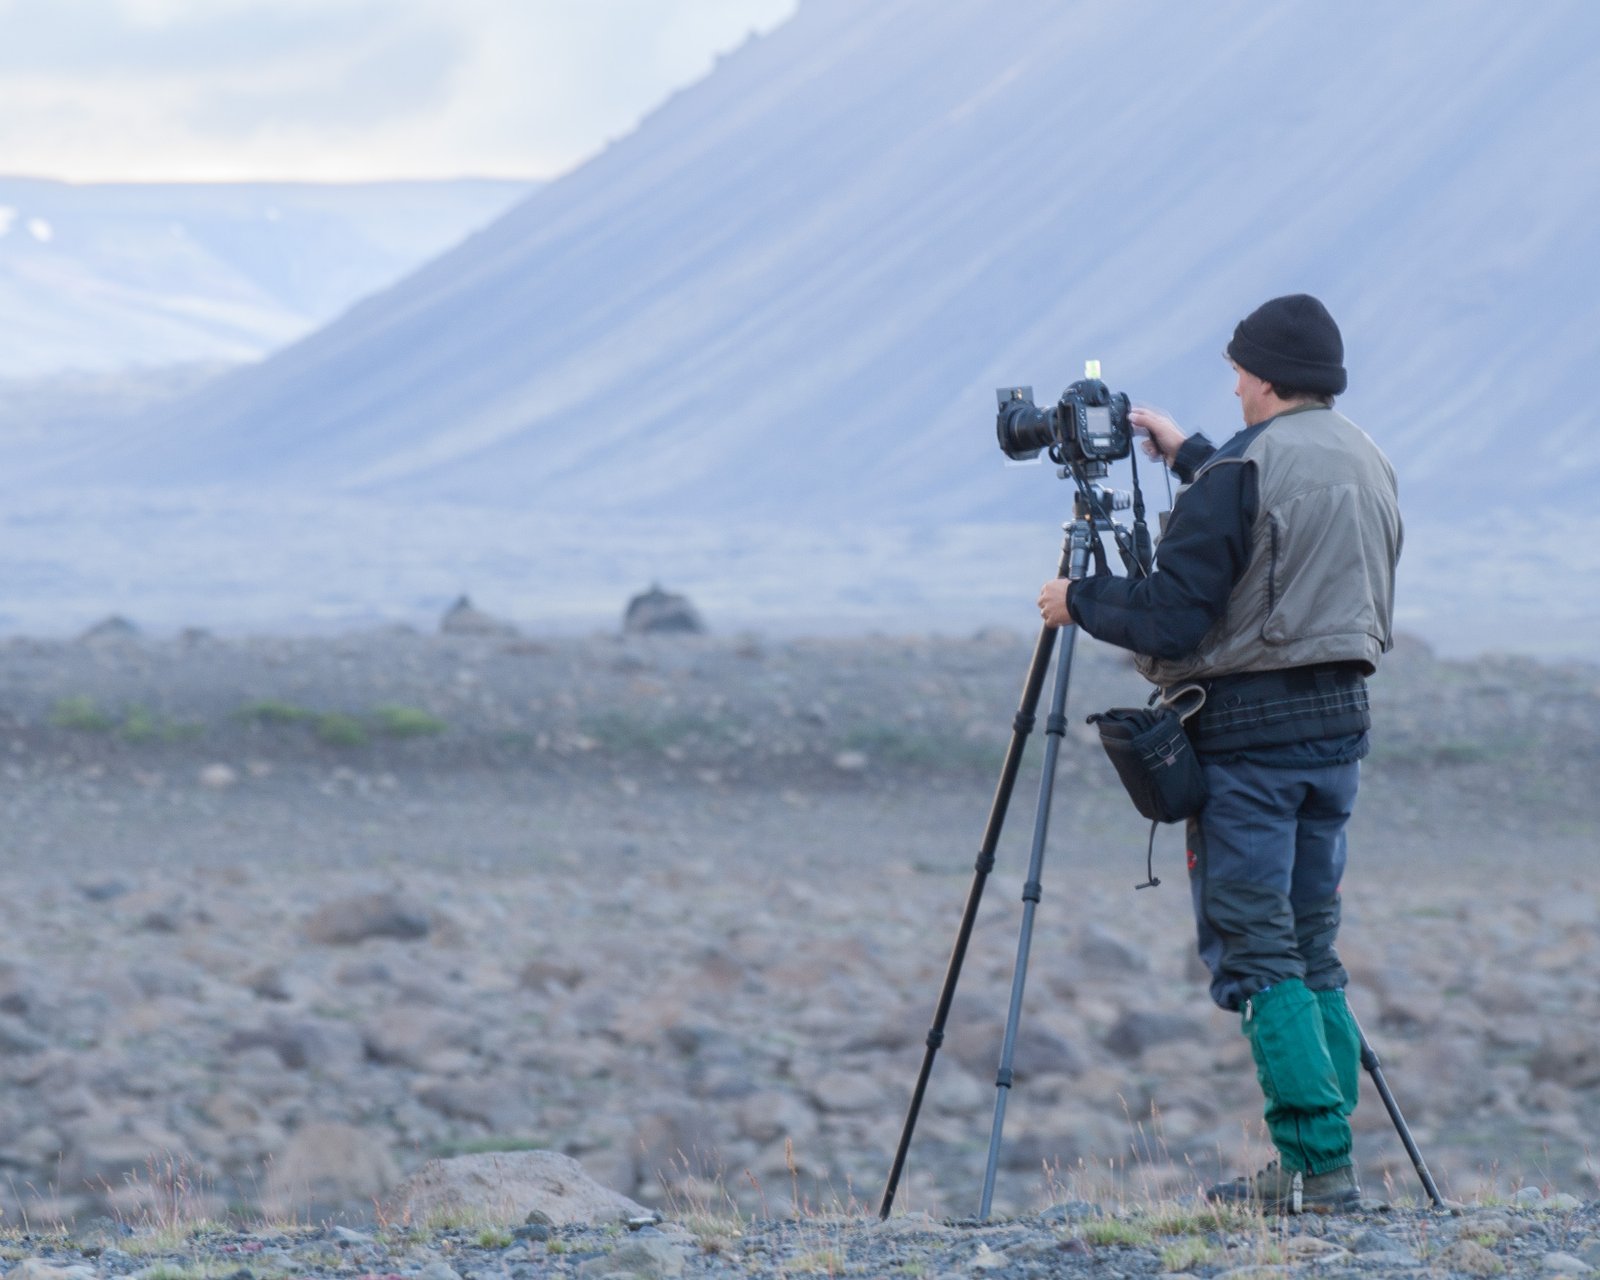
x,y
1087,426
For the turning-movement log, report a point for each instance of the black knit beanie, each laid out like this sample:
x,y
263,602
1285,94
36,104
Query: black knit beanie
x,y
1291,342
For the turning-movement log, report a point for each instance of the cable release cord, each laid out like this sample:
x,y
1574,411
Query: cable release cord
x,y
1143,552
1137,554
1151,880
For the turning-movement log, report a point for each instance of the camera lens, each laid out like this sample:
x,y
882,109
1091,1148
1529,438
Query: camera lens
x,y
1023,429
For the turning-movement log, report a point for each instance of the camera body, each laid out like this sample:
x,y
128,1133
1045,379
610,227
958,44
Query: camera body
x,y
1088,425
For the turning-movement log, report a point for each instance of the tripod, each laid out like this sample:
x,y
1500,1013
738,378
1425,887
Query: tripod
x,y
1082,539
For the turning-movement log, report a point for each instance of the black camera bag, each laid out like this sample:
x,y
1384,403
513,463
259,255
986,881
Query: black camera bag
x,y
1151,753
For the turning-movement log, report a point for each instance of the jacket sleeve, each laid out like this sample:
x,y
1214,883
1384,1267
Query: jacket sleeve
x,y
1200,559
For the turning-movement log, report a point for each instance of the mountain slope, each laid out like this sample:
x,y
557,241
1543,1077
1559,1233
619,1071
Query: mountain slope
x,y
792,291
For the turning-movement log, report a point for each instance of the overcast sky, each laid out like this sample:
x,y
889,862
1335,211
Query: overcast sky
x,y
343,89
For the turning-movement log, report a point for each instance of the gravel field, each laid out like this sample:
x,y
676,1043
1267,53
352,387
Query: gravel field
x,y
291,916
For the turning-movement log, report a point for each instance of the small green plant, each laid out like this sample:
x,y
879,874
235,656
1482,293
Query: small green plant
x,y
340,730
148,1242
714,1232
1183,1220
140,724
1187,1253
202,1269
460,1218
271,711
406,722
1128,1231
617,731
1464,752
495,1238
80,712
822,1262
893,744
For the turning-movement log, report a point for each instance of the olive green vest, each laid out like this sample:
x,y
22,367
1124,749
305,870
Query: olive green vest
x,y
1319,585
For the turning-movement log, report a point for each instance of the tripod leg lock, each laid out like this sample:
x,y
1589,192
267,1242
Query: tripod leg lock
x,y
1032,891
1056,724
935,1038
1023,724
1003,1078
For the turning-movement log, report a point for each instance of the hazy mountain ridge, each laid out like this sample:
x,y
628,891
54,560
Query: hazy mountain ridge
x,y
751,348
105,276
800,280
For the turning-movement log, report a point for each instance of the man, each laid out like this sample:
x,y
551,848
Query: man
x,y
1274,590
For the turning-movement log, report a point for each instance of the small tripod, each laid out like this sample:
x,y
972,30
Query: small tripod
x,y
1091,506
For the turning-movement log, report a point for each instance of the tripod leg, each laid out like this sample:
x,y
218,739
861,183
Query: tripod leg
x,y
1022,726
1032,891
1369,1060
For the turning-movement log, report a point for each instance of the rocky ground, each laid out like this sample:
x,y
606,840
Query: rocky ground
x,y
284,918
1532,1235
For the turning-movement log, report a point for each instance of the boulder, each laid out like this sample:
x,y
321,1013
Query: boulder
x,y
1137,1030
646,1258
505,1187
1103,952
113,630
328,1168
1568,1056
38,1269
411,1037
463,618
347,921
306,1043
19,1038
500,1106
657,610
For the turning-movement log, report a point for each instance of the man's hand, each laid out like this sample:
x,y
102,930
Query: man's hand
x,y
1053,603
1163,439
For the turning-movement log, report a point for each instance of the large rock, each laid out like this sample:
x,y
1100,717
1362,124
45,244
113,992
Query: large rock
x,y
411,1037
658,610
112,630
17,1037
302,1043
642,1259
327,1168
347,921
1103,952
38,1269
463,618
1569,1056
506,1186
1138,1030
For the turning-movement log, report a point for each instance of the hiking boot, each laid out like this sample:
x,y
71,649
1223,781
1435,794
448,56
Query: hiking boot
x,y
1279,1190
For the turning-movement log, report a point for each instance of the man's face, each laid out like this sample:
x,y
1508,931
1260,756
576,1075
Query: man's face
x,y
1256,399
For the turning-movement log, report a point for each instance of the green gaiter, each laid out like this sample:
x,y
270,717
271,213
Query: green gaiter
x,y
1344,1045
1305,1106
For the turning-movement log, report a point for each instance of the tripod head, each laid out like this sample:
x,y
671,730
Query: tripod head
x,y
1092,505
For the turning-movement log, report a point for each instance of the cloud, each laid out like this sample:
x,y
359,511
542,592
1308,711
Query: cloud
x,y
390,76
332,89
131,40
